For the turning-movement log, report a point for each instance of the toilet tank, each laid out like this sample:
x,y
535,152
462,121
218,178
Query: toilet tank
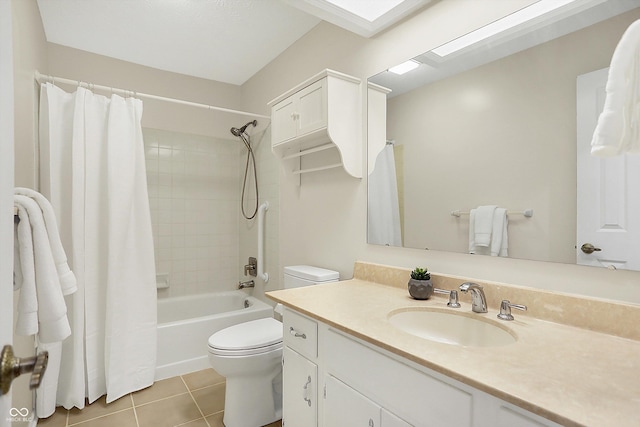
x,y
305,275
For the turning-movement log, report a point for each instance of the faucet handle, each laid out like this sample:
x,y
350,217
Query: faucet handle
x,y
505,309
453,297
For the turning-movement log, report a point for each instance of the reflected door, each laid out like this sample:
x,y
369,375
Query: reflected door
x,y
608,201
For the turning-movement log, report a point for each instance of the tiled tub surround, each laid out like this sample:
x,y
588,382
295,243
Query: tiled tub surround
x,y
580,375
194,184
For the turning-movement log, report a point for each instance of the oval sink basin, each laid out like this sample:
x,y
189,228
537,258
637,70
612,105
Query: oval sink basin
x,y
451,328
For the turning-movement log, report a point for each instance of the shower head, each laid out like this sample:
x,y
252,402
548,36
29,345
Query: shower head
x,y
238,132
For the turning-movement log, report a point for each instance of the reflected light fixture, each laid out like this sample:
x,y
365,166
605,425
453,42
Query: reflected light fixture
x,y
405,67
519,17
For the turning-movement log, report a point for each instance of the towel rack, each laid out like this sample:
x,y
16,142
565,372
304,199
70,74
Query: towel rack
x,y
16,218
528,213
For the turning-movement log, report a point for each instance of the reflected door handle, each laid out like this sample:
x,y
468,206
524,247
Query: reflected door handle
x,y
588,248
12,367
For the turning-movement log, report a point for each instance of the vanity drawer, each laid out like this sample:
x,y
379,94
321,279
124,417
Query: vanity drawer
x,y
418,398
300,333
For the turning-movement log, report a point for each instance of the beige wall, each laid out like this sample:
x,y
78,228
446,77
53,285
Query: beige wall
x,y
84,66
29,54
503,133
324,220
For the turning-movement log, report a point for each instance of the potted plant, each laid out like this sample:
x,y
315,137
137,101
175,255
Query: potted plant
x,y
420,286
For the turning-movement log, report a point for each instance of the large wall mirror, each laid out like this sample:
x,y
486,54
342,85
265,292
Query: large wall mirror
x,y
496,123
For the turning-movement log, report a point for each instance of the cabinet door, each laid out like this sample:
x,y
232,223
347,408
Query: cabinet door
x,y
345,407
284,124
299,387
312,107
387,419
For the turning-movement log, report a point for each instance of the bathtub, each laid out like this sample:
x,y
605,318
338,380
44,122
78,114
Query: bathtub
x,y
186,323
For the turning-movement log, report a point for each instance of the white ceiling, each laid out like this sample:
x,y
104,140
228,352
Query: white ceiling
x,y
223,40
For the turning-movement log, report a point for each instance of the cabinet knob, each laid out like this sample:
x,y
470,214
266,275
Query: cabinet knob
x,y
371,424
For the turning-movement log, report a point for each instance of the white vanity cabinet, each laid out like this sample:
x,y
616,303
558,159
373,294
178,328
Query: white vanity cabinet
x,y
299,371
332,379
321,114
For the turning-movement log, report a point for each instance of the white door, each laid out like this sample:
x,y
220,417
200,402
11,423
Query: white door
x,y
387,419
6,192
345,407
608,189
312,107
283,125
299,385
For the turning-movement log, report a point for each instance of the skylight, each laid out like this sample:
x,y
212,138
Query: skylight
x,y
369,10
526,14
405,67
363,17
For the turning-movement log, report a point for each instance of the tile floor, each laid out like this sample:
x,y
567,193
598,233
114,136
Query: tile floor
x,y
191,400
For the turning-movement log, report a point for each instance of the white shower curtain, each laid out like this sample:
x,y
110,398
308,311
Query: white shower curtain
x,y
92,170
384,210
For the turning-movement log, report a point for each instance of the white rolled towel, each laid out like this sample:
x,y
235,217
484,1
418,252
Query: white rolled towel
x,y
53,324
68,281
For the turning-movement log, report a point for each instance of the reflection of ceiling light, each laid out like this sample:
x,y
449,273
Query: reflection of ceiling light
x,y
521,16
404,67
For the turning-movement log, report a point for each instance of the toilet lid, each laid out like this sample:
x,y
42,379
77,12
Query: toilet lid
x,y
255,336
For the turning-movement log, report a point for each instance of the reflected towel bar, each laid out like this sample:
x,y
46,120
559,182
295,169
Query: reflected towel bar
x,y
528,213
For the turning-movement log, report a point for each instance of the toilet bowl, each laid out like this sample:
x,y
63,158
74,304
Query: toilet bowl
x,y
249,356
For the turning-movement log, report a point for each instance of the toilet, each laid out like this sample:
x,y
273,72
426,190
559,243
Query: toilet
x,y
249,356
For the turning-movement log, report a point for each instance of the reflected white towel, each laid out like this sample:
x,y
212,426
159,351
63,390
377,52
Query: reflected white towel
x,y
472,231
483,225
52,324
499,239
618,129
66,276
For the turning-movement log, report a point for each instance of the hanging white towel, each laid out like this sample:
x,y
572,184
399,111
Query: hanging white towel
x,y
499,239
618,128
67,278
483,224
52,322
24,275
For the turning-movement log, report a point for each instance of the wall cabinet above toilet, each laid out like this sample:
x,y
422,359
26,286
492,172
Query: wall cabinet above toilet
x,y
322,113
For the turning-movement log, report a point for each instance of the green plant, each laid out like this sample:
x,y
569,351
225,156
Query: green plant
x,y
420,274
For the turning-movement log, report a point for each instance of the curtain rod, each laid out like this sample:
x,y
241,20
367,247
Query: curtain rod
x,y
42,78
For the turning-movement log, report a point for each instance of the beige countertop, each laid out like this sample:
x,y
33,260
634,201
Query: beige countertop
x,y
573,376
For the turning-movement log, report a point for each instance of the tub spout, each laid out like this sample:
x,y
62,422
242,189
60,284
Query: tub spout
x,y
247,284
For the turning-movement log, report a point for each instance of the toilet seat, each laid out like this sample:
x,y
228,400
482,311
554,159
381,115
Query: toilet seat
x,y
248,338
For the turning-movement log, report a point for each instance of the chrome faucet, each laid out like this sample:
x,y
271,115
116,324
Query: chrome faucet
x,y
478,300
251,269
247,284
453,297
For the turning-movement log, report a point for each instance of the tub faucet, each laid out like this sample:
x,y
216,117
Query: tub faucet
x,y
247,284
478,300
